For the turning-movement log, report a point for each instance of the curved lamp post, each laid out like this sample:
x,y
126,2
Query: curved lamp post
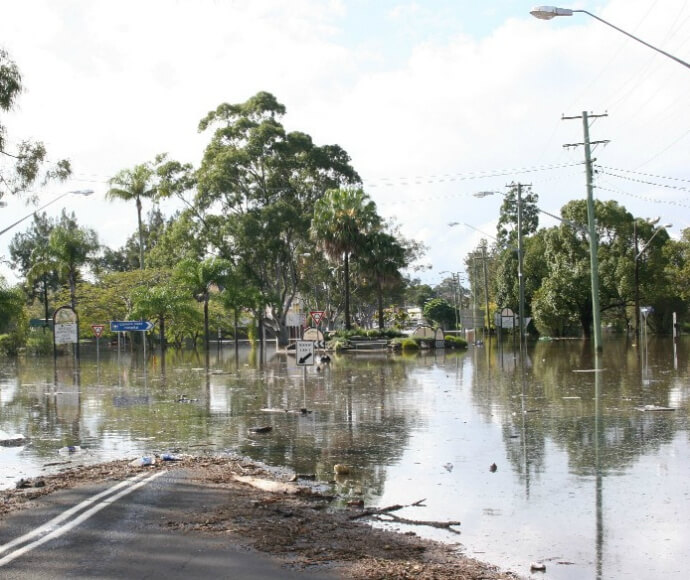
x,y
549,12
52,201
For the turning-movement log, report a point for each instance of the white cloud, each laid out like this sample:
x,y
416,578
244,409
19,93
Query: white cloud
x,y
424,97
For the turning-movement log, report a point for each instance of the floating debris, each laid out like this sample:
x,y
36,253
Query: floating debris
x,y
493,468
69,449
16,440
264,429
654,408
341,469
143,461
537,567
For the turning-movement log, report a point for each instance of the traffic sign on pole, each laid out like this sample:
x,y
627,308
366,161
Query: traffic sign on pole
x,y
317,316
98,329
130,325
304,352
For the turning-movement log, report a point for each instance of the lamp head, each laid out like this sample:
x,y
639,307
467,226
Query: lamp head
x,y
549,12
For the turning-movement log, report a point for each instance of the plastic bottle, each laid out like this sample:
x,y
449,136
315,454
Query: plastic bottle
x,y
143,461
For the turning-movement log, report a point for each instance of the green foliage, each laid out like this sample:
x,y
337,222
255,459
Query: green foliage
x,y
342,223
409,344
257,186
39,343
439,311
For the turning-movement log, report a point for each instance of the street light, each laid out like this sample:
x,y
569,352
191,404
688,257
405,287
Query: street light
x,y
521,283
638,255
486,283
77,192
549,12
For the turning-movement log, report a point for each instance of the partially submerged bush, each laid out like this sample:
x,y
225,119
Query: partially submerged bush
x,y
455,342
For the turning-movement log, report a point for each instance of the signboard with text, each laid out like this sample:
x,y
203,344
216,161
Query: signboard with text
x,y
304,353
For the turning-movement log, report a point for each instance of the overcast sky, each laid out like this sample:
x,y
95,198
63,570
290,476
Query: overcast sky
x,y
434,100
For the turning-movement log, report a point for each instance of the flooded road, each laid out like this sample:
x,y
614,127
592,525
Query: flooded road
x,y
579,463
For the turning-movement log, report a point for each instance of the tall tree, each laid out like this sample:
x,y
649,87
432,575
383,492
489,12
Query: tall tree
x,y
257,186
134,184
382,259
343,218
70,249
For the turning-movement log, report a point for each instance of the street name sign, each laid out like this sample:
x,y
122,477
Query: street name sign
x,y
130,325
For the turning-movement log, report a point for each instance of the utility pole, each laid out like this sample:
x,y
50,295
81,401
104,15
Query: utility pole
x,y
591,222
521,281
486,290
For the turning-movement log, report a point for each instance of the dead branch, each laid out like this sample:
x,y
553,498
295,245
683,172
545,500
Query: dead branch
x,y
385,510
433,524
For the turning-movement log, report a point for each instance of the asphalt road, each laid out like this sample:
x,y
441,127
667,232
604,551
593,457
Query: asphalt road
x,y
117,530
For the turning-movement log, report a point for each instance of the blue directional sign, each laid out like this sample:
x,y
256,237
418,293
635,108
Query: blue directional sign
x,y
130,325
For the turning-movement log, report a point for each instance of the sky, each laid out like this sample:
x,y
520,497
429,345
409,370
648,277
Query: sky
x,y
433,100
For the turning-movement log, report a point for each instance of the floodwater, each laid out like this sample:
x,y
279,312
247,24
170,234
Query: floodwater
x,y
592,467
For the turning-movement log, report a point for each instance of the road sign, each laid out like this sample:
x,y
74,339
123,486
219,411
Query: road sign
x,y
65,326
304,352
97,329
317,316
66,333
130,325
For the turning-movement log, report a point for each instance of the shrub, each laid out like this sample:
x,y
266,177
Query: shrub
x,y
40,343
455,342
10,344
409,344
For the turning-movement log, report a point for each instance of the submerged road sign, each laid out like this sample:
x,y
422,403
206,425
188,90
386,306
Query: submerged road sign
x,y
130,325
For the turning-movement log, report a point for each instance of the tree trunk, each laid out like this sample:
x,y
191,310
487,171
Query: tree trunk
x,y
206,336
347,290
161,322
141,235
380,299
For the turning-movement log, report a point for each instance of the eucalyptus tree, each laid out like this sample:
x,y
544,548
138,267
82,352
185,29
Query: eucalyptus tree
x,y
564,295
382,259
201,279
28,160
134,184
343,218
29,252
256,190
439,311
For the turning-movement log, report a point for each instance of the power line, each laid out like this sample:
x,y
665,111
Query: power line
x,y
421,179
641,173
645,182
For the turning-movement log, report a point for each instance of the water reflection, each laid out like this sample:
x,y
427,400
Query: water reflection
x,y
583,475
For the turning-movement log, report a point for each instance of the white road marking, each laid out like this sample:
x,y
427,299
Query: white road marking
x,y
53,529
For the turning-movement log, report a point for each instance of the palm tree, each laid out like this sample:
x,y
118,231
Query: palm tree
x,y
69,249
199,278
163,302
134,184
342,220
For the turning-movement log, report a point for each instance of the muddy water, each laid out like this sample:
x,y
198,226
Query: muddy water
x,y
591,476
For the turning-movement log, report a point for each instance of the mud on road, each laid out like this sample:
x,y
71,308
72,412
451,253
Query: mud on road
x,y
294,523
